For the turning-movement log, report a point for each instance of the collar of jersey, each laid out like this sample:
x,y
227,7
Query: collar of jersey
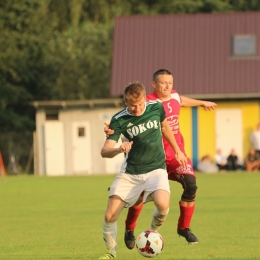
x,y
134,115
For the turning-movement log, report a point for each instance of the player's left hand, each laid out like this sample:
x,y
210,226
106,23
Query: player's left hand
x,y
208,105
107,130
181,158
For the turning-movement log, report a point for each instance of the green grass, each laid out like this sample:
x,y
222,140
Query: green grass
x,y
61,218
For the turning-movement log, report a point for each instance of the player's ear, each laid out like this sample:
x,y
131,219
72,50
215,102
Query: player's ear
x,y
153,84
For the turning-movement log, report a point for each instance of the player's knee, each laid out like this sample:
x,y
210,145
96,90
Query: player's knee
x,y
190,188
162,201
162,205
110,217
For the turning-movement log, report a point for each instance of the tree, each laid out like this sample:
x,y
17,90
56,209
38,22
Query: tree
x,y
21,65
82,58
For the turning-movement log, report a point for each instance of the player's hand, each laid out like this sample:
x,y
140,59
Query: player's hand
x,y
107,130
181,158
208,105
126,147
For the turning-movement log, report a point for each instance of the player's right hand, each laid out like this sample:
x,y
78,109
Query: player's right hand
x,y
107,130
181,158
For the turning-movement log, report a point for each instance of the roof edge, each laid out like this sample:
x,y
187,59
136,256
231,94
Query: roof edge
x,y
225,96
118,102
91,103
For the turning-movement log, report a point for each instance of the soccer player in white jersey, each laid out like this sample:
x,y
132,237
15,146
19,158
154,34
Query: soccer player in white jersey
x,y
144,171
164,93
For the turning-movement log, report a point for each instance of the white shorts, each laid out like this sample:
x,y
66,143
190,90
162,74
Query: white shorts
x,y
129,187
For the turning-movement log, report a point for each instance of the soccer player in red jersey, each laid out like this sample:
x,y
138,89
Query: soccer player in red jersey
x,y
163,91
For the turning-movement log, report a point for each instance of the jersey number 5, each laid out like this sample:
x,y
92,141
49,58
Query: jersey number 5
x,y
169,106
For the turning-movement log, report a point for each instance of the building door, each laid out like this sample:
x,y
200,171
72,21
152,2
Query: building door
x,y
54,153
82,148
229,132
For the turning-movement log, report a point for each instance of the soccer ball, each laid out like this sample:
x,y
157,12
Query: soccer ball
x,y
149,243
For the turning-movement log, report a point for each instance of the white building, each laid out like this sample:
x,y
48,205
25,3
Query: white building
x,y
69,137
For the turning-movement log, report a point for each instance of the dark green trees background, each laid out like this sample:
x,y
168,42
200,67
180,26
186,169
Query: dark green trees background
x,y
61,50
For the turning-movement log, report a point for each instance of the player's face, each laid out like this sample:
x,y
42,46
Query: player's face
x,y
137,107
163,86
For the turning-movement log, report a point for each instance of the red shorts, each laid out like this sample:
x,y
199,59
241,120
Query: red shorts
x,y
174,168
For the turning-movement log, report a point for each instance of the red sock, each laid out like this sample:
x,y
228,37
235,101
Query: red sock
x,y
186,214
132,216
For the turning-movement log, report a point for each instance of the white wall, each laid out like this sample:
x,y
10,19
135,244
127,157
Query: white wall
x,y
69,117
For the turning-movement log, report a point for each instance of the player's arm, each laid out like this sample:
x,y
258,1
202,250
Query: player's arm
x,y
167,133
190,102
109,150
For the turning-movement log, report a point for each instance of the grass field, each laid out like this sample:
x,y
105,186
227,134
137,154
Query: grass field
x,y
61,218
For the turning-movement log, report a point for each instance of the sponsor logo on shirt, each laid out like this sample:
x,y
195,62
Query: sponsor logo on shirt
x,y
138,129
173,121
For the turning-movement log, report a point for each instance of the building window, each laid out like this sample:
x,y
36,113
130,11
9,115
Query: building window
x,y
244,45
52,116
81,131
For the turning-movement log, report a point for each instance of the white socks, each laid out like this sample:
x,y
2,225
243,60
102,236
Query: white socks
x,y
158,219
109,236
110,229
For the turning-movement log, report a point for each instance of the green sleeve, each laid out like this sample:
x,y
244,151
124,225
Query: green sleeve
x,y
162,112
114,125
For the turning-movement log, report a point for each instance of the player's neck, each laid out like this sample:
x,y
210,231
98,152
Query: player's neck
x,y
164,98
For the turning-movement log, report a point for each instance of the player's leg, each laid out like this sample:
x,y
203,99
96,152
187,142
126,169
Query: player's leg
x,y
130,223
114,208
157,189
187,202
187,206
124,192
161,200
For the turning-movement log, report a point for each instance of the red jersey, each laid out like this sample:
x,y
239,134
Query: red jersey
x,y
172,110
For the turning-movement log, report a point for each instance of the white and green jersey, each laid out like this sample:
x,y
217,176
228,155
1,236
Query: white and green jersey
x,y
147,153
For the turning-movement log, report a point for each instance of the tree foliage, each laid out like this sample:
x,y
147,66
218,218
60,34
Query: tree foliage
x,y
82,61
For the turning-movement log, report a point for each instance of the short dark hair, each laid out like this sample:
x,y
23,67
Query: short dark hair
x,y
160,72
